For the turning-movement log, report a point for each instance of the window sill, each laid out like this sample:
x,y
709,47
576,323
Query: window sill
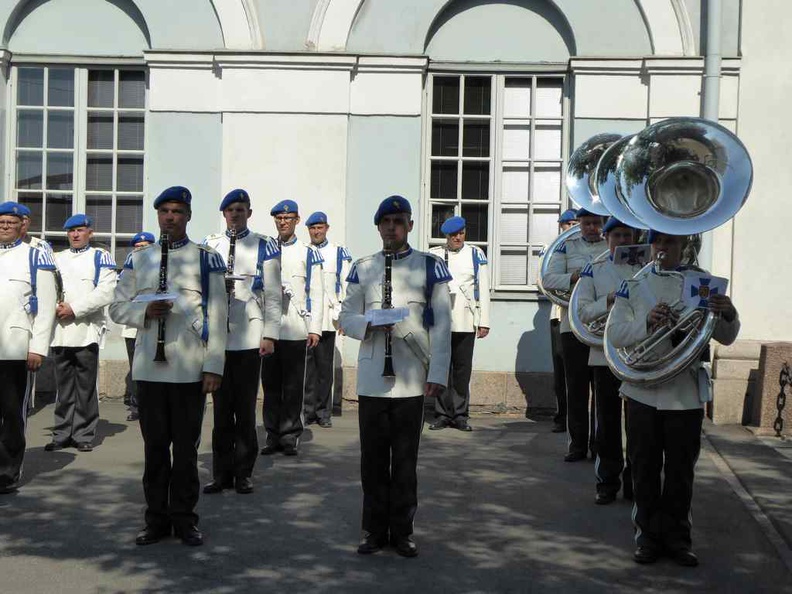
x,y
533,295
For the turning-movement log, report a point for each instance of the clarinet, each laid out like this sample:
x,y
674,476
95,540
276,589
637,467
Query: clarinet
x,y
230,271
163,287
387,303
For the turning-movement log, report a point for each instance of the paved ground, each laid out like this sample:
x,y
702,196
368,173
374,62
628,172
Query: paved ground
x,y
499,512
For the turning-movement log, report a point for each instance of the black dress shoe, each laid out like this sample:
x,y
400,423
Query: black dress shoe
x,y
644,554
270,449
371,543
244,485
9,488
439,424
684,557
84,447
150,535
54,446
190,536
133,416
325,423
405,546
217,486
289,450
605,498
558,428
575,456
463,425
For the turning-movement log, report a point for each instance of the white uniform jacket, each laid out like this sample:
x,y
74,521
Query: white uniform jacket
x,y
627,324
195,329
420,354
303,291
89,282
596,282
27,292
568,257
469,287
335,267
256,305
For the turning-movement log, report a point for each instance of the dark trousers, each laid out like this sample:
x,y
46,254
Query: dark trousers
x,y
319,379
131,385
234,441
14,393
559,377
610,453
77,404
578,380
171,417
283,377
453,403
663,443
390,433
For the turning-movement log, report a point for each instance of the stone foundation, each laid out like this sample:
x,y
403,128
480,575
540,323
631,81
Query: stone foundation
x,y
774,356
734,372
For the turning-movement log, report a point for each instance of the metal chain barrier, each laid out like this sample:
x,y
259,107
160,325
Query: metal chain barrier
x,y
784,379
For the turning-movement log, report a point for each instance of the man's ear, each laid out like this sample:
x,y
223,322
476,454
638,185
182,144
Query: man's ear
x,y
410,226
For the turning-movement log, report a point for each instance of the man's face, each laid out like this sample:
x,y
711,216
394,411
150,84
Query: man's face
x,y
672,246
590,227
25,226
141,244
79,237
236,215
456,240
318,232
285,224
566,226
173,218
393,230
10,228
619,236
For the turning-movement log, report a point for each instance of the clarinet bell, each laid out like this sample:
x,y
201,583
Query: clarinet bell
x,y
388,369
160,354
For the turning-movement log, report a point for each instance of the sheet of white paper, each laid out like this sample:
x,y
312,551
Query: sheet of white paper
x,y
699,287
386,317
149,297
632,254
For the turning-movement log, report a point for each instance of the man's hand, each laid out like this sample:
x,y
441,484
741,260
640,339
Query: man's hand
x,y
661,315
611,299
313,340
388,328
431,389
211,382
721,304
64,312
575,277
267,347
482,332
158,309
34,361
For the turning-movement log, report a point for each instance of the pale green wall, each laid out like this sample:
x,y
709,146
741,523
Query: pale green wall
x,y
730,31
285,23
583,129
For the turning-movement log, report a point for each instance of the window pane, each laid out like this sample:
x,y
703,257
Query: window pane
x,y
476,138
100,208
445,138
58,243
547,184
29,168
60,87
517,98
445,94
440,213
514,225
103,241
548,98
544,226
60,171
60,129
476,221
515,184
99,173
30,86
129,214
34,201
59,208
121,251
548,141
533,265
30,129
130,132
130,174
517,142
475,181
132,90
100,131
444,180
100,88
477,95
514,267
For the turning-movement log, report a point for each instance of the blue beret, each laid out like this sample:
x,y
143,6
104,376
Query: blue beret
x,y
174,194
142,236
612,223
316,218
452,225
78,220
568,216
14,209
582,212
392,205
284,206
237,195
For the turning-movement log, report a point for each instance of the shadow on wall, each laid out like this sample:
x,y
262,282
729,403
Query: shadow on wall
x,y
533,346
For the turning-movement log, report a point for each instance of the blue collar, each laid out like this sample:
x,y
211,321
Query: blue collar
x,y
448,249
321,245
175,245
8,246
292,241
80,250
401,255
240,234
587,241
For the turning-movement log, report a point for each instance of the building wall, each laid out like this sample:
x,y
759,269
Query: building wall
x,y
285,23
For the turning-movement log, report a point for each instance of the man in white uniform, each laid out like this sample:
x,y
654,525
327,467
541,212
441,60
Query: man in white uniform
x,y
89,280
470,319
27,288
391,408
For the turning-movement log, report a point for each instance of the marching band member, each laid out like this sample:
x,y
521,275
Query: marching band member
x,y
27,287
664,421
189,323
564,270
319,366
253,327
391,397
597,288
470,319
283,373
